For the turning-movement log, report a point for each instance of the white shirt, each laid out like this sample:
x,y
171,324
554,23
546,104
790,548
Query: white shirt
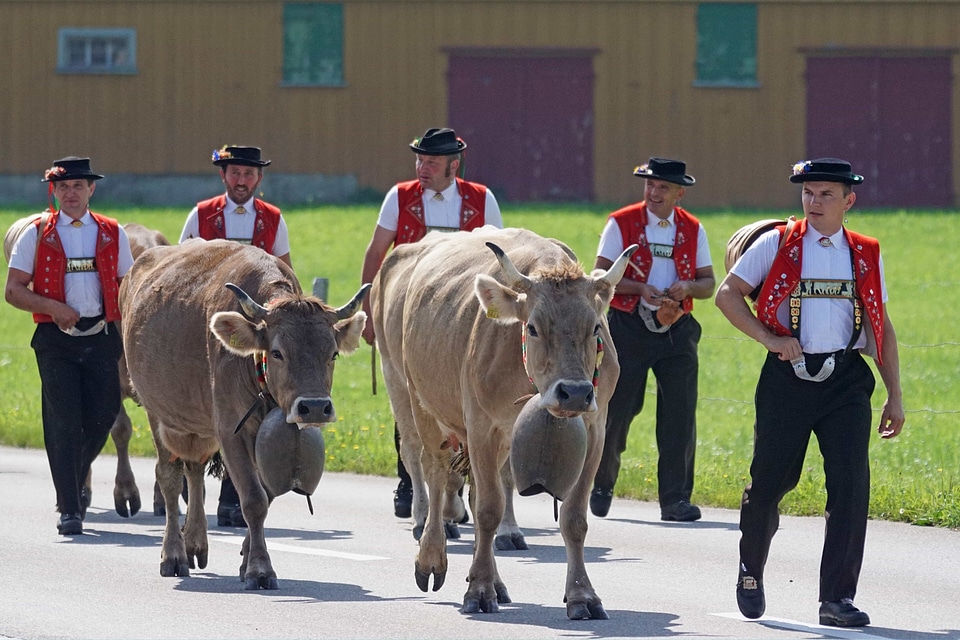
x,y
82,290
826,324
238,226
663,271
442,214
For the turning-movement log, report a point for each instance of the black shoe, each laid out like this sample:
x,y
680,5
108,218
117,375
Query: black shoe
x,y
750,596
600,500
681,511
230,515
70,524
403,500
842,613
84,501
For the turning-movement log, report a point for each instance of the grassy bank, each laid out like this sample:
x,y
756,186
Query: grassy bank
x,y
916,477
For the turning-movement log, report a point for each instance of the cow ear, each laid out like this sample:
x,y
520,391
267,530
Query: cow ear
x,y
602,288
500,303
349,332
236,333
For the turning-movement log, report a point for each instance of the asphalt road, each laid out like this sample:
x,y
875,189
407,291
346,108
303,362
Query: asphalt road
x,y
347,572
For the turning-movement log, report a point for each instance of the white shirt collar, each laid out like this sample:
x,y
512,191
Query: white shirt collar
x,y
231,206
65,220
448,194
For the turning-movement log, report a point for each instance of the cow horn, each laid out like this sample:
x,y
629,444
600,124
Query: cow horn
x,y
251,309
514,278
617,269
348,310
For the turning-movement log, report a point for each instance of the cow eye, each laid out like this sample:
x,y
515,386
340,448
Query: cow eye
x,y
276,355
336,355
532,330
596,329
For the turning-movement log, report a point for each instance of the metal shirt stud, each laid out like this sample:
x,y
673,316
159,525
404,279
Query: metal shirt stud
x,y
76,223
438,196
663,224
825,242
241,210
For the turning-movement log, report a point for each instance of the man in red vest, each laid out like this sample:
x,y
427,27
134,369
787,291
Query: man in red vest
x,y
240,216
437,200
75,260
652,328
822,301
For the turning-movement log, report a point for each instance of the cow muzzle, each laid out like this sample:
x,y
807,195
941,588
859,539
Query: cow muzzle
x,y
304,411
570,398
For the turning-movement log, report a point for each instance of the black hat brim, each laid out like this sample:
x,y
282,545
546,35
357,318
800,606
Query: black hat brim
x,y
852,179
246,163
76,176
684,181
461,145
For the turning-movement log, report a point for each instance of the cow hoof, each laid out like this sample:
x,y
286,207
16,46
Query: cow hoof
x,y
263,582
502,596
451,530
512,542
202,559
127,506
174,569
417,531
478,605
586,611
423,579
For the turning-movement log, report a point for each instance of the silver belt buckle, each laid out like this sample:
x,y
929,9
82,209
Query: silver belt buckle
x,y
800,369
92,331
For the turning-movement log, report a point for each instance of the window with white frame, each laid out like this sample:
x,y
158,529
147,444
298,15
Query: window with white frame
x,y
97,51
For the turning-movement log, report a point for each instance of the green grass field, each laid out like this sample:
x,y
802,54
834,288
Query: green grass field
x,y
916,477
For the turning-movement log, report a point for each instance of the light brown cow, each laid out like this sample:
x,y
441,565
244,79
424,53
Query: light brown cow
x,y
194,362
126,494
450,334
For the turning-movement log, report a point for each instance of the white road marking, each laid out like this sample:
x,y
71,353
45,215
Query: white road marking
x,y
818,629
279,546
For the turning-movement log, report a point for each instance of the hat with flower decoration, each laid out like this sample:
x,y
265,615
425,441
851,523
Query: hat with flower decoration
x,y
438,142
248,156
70,168
673,171
825,170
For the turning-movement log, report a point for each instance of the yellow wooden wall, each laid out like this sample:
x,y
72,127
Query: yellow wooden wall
x,y
210,73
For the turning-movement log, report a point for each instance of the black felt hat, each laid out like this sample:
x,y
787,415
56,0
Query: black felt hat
x,y
438,142
673,171
70,168
825,170
249,156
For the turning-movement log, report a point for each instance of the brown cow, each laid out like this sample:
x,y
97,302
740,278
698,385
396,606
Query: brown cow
x,y
451,337
197,365
126,495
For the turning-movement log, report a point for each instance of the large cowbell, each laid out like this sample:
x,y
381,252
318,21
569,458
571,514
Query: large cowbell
x,y
288,458
547,452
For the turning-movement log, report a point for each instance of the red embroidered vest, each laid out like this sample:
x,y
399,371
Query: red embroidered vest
x,y
50,265
785,271
632,221
411,225
212,226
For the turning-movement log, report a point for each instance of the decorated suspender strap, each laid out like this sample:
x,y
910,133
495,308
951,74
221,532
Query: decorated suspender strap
x,y
800,291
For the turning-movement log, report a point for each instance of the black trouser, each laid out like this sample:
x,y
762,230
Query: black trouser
x,y
80,384
838,411
672,356
401,470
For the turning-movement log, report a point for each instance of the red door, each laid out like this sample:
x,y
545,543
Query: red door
x,y
527,122
891,119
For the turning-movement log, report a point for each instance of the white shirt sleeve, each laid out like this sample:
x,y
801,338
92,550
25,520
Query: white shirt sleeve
x,y
611,241
24,251
755,263
390,210
491,212
125,257
281,245
191,228
703,249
